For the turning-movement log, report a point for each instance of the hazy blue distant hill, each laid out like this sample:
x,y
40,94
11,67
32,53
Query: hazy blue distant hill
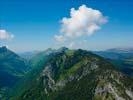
x,y
121,50
122,58
118,54
28,55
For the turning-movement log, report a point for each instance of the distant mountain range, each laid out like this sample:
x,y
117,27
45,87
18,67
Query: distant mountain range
x,y
28,55
121,58
116,53
121,50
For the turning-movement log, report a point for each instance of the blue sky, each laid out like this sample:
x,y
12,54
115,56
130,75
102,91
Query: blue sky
x,y
34,23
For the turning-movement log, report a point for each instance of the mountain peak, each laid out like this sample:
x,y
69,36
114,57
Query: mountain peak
x,y
63,49
3,48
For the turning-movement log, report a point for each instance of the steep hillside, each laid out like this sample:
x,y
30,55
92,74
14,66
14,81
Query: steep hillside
x,y
12,68
77,75
39,57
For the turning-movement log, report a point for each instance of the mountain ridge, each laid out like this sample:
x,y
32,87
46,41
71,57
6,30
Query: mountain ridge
x,y
70,74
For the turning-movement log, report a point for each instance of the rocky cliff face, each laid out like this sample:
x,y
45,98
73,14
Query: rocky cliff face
x,y
79,75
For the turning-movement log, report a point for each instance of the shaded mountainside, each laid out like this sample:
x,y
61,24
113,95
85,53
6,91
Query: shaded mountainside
x,y
38,59
76,75
12,68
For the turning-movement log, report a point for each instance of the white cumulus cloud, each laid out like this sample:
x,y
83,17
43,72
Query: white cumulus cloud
x,y
4,35
82,22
